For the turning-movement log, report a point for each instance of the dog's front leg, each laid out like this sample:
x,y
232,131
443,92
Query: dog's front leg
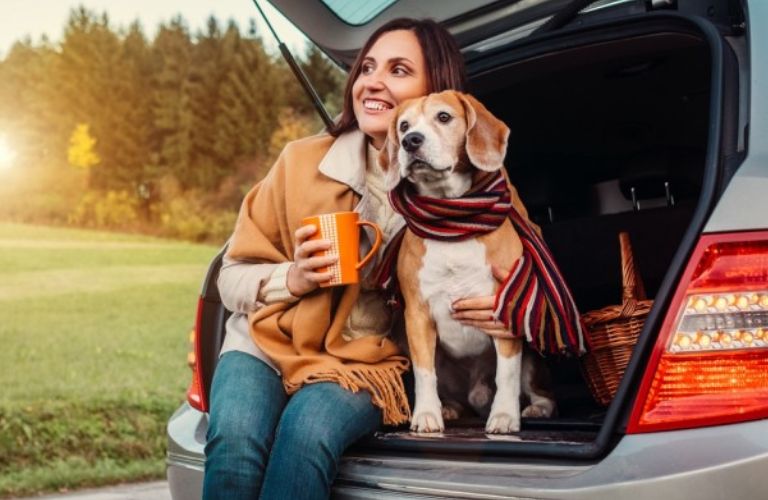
x,y
505,410
422,342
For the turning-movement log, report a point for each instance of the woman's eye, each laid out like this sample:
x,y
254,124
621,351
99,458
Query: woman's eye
x,y
444,117
403,126
366,69
399,71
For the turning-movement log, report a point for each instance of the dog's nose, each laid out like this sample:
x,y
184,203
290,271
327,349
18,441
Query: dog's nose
x,y
413,141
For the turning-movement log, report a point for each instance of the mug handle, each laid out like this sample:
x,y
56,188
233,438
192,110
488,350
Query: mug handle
x,y
376,243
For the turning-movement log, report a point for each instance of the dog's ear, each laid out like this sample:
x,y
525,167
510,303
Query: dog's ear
x,y
388,157
486,142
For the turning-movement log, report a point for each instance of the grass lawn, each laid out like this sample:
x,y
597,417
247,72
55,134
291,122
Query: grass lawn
x,y
94,334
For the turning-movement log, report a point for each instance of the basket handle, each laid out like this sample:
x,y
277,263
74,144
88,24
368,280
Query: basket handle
x,y
632,284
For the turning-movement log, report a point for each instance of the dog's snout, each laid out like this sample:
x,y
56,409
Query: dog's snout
x,y
413,141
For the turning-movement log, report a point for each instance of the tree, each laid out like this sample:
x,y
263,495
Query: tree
x,y
130,111
30,108
89,76
171,59
200,99
327,79
249,101
82,152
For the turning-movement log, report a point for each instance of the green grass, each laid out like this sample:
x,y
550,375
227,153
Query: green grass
x,y
93,329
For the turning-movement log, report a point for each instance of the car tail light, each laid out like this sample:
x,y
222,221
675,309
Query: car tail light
x,y
195,392
710,363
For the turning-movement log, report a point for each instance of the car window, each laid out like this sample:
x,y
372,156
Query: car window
x,y
356,12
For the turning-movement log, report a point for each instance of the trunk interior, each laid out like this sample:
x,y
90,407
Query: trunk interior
x,y
592,121
591,124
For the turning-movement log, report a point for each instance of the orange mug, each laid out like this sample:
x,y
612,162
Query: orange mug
x,y
342,229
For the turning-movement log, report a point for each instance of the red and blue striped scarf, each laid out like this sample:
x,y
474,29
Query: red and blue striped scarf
x,y
534,298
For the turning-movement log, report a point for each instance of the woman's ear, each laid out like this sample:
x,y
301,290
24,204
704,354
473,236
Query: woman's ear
x,y
388,161
486,141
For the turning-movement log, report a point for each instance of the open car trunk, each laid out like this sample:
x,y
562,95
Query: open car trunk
x,y
609,132
621,126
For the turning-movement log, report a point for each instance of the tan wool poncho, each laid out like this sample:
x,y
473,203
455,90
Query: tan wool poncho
x,y
304,338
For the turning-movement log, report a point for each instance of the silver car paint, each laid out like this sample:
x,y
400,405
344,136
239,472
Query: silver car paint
x,y
744,204
185,456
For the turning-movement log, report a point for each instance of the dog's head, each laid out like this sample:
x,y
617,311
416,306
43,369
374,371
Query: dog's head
x,y
435,141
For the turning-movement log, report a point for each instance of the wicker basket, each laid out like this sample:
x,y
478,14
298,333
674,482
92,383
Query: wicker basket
x,y
613,331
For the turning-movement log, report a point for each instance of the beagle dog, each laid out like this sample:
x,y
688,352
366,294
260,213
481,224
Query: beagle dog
x,y
441,143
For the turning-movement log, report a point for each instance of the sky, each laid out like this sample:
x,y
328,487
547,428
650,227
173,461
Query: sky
x,y
21,18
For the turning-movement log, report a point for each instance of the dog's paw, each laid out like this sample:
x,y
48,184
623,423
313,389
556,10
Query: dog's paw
x,y
537,411
502,423
427,421
450,412
480,398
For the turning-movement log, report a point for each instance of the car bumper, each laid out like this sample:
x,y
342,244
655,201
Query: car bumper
x,y
723,462
185,458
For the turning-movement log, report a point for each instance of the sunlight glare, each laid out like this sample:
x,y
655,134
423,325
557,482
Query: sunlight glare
x,y
7,155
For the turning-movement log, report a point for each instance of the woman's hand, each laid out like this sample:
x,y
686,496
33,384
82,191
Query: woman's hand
x,y
478,311
302,275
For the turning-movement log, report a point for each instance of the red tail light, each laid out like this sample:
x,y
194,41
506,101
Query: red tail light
x,y
195,392
710,363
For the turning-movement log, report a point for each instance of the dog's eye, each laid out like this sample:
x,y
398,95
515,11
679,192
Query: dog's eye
x,y
404,126
444,117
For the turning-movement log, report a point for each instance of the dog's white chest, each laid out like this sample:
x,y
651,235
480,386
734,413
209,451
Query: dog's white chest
x,y
451,271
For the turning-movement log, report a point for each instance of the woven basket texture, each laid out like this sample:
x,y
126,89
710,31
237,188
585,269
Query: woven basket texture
x,y
613,331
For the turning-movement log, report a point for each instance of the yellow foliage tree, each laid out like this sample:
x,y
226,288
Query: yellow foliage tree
x,y
81,152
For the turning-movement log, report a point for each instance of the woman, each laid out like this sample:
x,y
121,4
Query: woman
x,y
306,371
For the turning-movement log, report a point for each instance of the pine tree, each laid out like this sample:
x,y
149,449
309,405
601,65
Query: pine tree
x,y
250,99
172,143
88,64
200,92
30,111
132,111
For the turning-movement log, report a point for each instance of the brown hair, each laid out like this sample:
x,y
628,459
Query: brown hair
x,y
445,70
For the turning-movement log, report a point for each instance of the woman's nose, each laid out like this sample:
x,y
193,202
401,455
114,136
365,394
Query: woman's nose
x,y
374,80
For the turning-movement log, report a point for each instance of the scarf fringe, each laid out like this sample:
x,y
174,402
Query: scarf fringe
x,y
535,300
385,386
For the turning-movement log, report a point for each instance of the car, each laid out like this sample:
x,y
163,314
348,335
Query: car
x,y
636,116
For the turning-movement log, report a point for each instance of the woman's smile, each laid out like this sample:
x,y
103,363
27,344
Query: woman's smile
x,y
376,105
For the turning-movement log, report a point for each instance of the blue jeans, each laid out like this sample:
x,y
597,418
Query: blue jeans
x,y
264,444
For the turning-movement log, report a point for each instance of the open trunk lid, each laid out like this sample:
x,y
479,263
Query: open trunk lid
x,y
340,28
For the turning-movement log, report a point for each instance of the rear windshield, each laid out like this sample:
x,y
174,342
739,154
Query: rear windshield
x,y
356,12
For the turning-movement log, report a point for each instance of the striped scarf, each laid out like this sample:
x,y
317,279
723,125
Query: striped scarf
x,y
533,299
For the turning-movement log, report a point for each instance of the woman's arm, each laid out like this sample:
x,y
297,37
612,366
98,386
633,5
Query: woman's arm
x,y
246,287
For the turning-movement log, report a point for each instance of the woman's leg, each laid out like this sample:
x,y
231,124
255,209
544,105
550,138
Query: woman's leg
x,y
247,398
320,422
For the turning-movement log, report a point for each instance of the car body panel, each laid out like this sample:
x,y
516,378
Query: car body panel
x,y
185,457
744,204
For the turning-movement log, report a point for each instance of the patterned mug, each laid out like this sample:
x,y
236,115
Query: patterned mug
x,y
342,229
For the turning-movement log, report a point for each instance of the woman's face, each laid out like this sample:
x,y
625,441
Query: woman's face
x,y
393,70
